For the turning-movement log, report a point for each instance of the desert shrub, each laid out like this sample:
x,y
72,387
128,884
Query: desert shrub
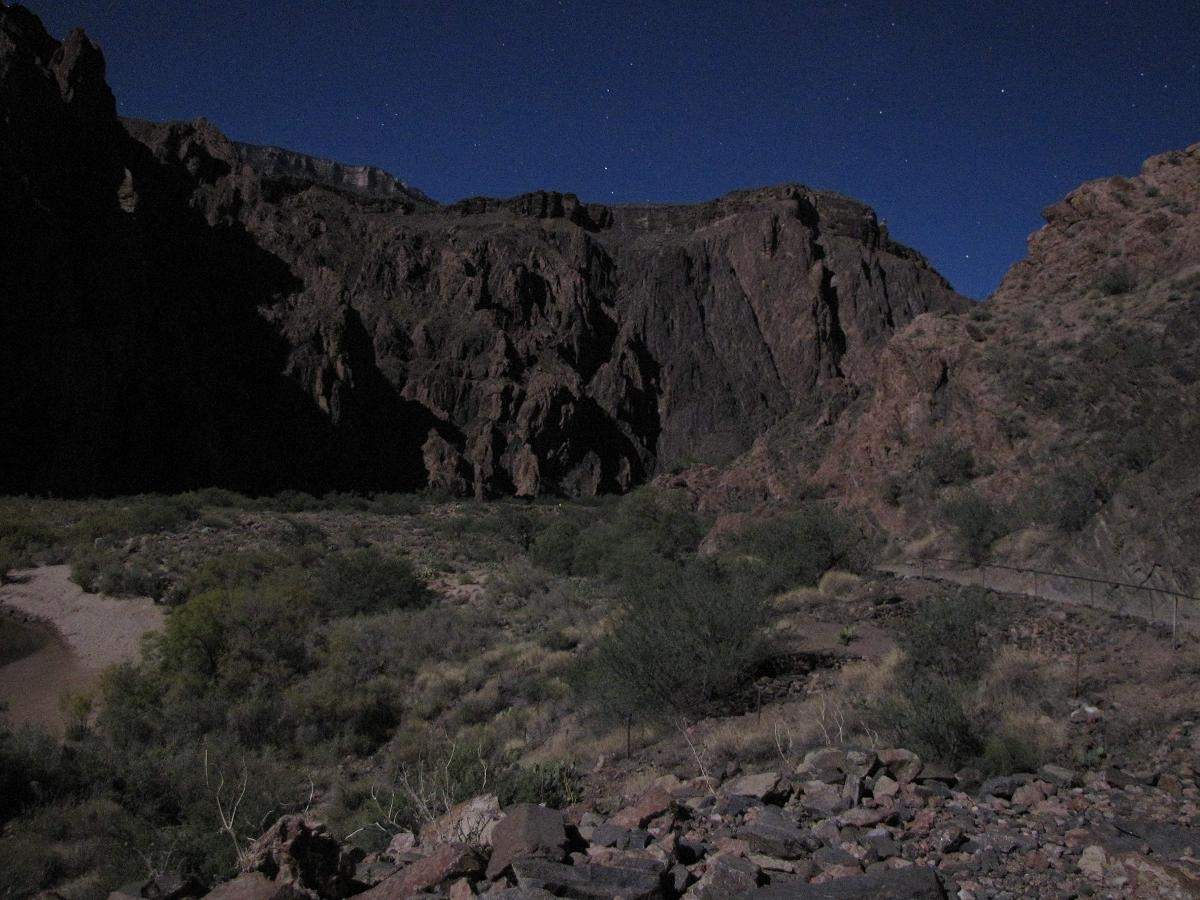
x,y
148,514
1137,450
557,784
1071,498
642,536
30,770
293,502
1020,704
366,581
26,536
948,462
218,497
429,776
1007,752
893,489
975,522
675,647
928,704
396,504
927,715
105,572
945,637
228,570
554,547
798,547
1116,281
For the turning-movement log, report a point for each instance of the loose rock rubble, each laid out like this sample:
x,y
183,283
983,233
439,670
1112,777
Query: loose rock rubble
x,y
844,823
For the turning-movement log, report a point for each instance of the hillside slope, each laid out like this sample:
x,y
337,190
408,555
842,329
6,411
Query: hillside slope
x,y
1068,402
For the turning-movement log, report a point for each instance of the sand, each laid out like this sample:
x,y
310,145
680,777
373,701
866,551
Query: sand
x,y
83,634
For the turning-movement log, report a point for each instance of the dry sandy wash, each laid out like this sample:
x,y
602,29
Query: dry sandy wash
x,y
86,634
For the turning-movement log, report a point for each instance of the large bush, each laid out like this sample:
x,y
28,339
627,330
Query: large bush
x,y
366,581
798,547
946,653
947,462
675,646
975,521
644,535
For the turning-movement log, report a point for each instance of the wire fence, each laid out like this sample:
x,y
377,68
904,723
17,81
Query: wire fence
x,y
1153,602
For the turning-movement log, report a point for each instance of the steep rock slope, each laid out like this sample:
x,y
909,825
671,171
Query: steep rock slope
x,y
1069,400
218,313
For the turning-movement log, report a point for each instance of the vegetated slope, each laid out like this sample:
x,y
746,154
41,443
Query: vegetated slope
x,y
193,310
1064,412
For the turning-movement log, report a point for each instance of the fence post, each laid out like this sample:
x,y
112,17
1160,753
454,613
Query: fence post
x,y
1175,624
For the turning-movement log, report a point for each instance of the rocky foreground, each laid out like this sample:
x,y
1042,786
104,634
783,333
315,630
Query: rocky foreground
x,y
846,823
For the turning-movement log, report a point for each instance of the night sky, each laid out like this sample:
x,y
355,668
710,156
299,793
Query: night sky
x,y
957,121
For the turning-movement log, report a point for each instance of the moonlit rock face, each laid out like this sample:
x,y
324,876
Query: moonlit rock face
x,y
256,317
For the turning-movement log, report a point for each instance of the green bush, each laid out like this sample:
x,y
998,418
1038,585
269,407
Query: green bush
x,y
975,522
1072,497
642,535
948,462
148,514
798,547
1007,751
675,647
946,653
366,581
1116,281
946,637
557,784
25,535
104,572
928,717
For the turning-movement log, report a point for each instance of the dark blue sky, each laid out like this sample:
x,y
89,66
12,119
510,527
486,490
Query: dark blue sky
x,y
957,121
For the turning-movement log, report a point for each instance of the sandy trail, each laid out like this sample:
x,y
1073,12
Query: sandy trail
x,y
82,635
1153,607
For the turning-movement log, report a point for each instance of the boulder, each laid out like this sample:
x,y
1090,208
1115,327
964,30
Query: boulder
x,y
774,835
648,806
446,863
916,883
629,881
257,886
1092,862
763,786
864,817
821,798
161,887
469,822
825,764
1057,775
301,852
904,765
885,787
725,876
526,831
1028,795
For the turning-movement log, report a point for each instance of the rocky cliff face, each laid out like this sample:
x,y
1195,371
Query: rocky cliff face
x,y
1070,399
194,310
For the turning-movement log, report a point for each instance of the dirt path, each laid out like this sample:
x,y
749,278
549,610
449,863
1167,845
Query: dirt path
x,y
1153,607
79,635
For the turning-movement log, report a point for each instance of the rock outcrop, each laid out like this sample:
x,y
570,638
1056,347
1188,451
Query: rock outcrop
x,y
192,310
1071,397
